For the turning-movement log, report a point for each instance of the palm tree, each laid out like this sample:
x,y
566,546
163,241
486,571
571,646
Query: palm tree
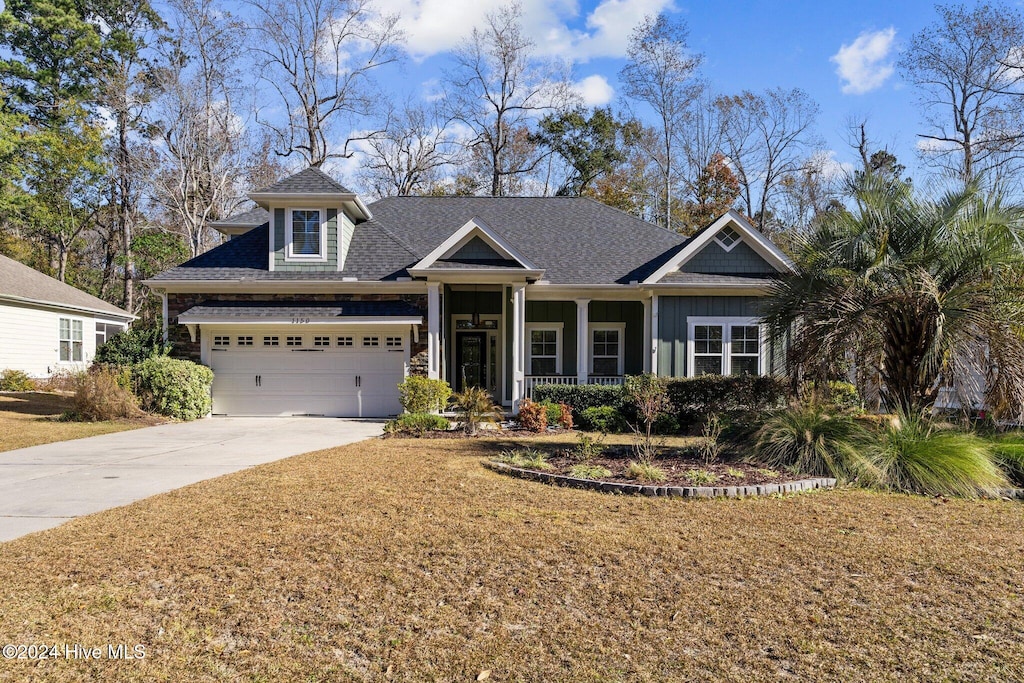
x,y
919,293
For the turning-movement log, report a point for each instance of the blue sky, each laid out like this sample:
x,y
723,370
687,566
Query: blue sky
x,y
747,45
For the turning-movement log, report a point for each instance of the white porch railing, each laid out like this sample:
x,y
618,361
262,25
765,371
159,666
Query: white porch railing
x,y
568,380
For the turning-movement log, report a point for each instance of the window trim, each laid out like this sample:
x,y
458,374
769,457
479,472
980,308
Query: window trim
x,y
558,329
726,323
730,247
605,327
71,339
289,254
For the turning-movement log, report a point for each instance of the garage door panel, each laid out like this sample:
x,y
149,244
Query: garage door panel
x,y
307,381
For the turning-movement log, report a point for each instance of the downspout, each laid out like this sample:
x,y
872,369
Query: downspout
x,y
163,313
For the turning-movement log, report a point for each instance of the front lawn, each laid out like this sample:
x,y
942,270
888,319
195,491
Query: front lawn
x,y
405,559
30,419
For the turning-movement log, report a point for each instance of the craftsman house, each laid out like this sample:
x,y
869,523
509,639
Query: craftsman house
x,y
320,303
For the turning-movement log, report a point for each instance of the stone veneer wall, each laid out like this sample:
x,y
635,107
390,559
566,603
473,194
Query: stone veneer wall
x,y
184,347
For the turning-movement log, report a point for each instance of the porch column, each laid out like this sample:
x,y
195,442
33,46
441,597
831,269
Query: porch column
x,y
648,355
518,345
582,340
652,348
433,330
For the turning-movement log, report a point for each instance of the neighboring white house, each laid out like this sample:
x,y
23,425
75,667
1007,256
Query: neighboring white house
x,y
46,325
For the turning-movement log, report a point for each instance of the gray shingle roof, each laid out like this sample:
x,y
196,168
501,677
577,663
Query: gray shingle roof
x,y
23,282
251,218
310,181
575,240
300,309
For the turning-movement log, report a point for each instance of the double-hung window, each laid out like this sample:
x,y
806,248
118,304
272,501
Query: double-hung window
x,y
725,346
606,351
305,234
71,340
544,348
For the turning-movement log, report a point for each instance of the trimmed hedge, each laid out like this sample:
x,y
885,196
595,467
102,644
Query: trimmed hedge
x,y
578,397
423,395
417,423
173,387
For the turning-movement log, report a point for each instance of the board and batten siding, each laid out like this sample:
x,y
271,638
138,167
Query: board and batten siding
x,y
30,339
330,265
673,328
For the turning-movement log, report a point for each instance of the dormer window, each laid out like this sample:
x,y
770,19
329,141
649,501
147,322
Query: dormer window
x,y
304,234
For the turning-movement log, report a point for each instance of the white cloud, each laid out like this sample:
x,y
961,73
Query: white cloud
x,y
435,26
932,146
594,91
864,64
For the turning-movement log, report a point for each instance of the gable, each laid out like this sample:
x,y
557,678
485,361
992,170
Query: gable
x,y
740,260
475,250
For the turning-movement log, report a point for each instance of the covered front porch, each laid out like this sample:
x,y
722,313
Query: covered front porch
x,y
512,337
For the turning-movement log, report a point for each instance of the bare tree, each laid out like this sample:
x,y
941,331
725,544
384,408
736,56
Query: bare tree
x,y
767,138
969,66
408,157
659,72
496,87
200,165
319,56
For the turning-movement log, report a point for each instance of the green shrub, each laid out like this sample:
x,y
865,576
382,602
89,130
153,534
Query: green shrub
x,y
913,456
100,396
417,423
526,457
476,407
16,380
809,440
587,448
646,393
1009,453
666,424
533,416
579,397
423,395
735,473
645,472
691,398
701,477
173,387
589,472
605,419
132,346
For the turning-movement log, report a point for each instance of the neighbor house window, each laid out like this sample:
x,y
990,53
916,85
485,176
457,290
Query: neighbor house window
x,y
544,346
728,346
606,351
71,340
105,331
304,233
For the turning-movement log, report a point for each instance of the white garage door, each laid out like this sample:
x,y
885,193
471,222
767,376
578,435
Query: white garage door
x,y
350,374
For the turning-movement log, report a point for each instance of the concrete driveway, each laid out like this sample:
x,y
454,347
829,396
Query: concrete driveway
x,y
44,486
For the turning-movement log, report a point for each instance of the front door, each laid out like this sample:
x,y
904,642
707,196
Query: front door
x,y
471,360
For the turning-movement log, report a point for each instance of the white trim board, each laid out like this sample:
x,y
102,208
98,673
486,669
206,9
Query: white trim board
x,y
726,322
748,233
559,329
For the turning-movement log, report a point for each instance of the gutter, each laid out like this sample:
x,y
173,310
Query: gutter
x,y
70,307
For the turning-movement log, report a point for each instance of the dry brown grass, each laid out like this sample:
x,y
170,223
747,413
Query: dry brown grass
x,y
406,560
30,419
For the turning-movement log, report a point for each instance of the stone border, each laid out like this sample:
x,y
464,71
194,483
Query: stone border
x,y
673,491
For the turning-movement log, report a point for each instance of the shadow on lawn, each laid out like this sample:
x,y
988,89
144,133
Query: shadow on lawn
x,y
34,403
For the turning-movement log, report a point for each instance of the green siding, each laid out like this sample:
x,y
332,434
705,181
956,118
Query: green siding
x,y
673,312
742,260
330,225
347,230
632,314
476,248
464,303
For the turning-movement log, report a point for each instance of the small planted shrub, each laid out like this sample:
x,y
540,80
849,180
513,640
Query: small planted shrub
x,y
647,394
710,446
174,387
423,395
701,477
913,456
606,419
579,396
533,416
587,448
132,346
417,423
558,414
645,472
589,472
100,396
809,440
475,407
526,457
735,473
16,380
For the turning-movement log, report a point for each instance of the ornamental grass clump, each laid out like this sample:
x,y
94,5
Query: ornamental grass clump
x,y
1008,450
475,407
809,440
912,455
